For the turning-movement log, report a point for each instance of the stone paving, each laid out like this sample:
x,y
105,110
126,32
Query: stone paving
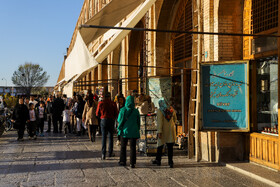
x,y
54,160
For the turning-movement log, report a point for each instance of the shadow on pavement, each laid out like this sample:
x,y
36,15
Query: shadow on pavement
x,y
22,168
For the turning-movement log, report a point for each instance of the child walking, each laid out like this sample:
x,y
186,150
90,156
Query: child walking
x,y
42,117
32,123
66,120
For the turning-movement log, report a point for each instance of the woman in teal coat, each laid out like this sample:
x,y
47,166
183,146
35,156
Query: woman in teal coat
x,y
128,129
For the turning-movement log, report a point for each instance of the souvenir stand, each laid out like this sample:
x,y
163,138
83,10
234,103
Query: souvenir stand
x,y
147,144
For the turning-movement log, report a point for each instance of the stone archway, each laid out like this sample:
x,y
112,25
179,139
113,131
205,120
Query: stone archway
x,y
135,56
166,16
173,15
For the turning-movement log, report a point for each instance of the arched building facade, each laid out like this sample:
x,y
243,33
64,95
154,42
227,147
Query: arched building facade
x,y
126,62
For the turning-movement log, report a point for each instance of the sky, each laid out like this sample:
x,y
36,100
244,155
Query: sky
x,y
36,31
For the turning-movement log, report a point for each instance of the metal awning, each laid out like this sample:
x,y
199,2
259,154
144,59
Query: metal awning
x,y
110,15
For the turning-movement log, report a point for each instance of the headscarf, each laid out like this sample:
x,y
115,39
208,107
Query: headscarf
x,y
165,109
129,104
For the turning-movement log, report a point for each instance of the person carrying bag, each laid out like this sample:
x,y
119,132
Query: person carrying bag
x,y
128,129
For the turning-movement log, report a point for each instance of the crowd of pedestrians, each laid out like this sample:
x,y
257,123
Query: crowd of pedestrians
x,y
97,115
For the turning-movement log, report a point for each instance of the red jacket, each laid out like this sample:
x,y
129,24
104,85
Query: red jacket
x,y
107,109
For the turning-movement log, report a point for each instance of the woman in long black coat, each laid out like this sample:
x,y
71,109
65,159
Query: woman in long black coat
x,y
20,117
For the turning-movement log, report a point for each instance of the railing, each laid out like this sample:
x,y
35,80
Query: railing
x,y
264,150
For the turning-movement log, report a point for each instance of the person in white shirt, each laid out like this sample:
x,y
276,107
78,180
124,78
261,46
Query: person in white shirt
x,y
66,119
32,100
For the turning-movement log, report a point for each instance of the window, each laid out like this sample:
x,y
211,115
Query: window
x,y
267,95
264,15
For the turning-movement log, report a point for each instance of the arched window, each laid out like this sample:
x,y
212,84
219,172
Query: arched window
x,y
182,43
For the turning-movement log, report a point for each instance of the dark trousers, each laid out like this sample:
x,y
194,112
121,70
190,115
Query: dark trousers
x,y
92,130
99,126
32,125
21,130
41,125
67,127
132,150
73,124
55,125
107,127
170,153
49,122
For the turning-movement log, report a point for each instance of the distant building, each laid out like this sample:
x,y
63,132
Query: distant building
x,y
17,91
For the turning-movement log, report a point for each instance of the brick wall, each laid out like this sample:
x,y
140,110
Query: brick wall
x,y
208,26
230,21
223,16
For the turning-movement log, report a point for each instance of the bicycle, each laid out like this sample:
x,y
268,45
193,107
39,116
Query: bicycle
x,y
2,127
8,124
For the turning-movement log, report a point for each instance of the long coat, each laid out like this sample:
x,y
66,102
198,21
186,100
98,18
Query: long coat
x,y
89,114
129,120
166,128
20,115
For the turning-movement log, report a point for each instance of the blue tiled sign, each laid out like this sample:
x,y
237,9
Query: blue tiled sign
x,y
225,96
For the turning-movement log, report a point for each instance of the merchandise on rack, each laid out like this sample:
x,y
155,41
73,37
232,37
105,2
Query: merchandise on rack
x,y
147,143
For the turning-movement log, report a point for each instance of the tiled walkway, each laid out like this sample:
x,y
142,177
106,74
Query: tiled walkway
x,y
54,160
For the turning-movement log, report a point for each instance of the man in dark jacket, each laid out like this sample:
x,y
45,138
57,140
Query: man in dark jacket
x,y
20,117
58,107
107,111
49,112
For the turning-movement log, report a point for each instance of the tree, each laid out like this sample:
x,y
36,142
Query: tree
x,y
30,76
41,91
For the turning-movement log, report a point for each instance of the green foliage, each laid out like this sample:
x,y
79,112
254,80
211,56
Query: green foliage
x,y
11,101
30,76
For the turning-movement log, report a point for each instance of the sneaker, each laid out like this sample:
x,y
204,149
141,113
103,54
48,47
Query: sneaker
x,y
118,143
42,135
122,164
156,162
103,157
19,139
35,138
132,165
30,138
98,134
79,133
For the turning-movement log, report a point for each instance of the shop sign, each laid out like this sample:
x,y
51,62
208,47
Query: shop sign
x,y
225,96
158,88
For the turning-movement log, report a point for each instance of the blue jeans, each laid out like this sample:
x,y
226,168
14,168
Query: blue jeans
x,y
107,127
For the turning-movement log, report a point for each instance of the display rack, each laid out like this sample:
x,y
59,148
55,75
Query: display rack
x,y
147,144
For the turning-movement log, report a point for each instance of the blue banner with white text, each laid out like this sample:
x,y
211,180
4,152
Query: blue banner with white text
x,y
225,96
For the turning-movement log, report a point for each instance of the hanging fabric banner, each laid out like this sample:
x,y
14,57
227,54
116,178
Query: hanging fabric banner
x,y
225,96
